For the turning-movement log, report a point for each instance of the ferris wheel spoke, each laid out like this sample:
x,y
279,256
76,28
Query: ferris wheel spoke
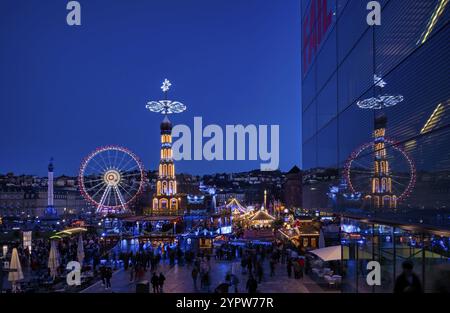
x,y
94,186
93,181
115,196
103,169
103,160
132,170
109,203
121,161
399,183
93,170
119,195
110,159
402,177
124,189
126,164
123,185
92,173
97,192
104,196
115,157
369,168
132,175
363,172
108,154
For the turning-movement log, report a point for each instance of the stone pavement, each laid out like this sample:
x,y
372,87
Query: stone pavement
x,y
178,280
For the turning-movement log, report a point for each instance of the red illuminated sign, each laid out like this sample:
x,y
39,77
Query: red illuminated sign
x,y
315,25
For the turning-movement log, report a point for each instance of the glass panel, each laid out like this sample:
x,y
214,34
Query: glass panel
x,y
326,103
355,76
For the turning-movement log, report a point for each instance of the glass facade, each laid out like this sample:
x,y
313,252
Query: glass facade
x,y
376,129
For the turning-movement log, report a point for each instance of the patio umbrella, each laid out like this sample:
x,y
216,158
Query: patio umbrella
x,y
321,240
334,253
15,268
53,260
80,250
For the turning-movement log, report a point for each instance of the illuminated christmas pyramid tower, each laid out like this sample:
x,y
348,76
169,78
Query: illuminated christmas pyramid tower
x,y
382,195
166,201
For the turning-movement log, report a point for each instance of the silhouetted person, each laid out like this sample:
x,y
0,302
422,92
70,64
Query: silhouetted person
x,y
408,281
161,280
155,283
108,275
289,267
252,284
194,276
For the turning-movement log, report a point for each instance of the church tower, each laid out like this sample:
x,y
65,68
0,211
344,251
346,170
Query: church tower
x,y
382,196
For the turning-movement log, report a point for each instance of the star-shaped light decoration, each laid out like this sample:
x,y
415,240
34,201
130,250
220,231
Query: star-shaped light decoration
x,y
378,81
166,85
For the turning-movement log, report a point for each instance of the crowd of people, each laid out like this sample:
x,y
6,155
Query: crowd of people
x,y
35,262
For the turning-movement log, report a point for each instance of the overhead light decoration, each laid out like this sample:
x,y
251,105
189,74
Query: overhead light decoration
x,y
382,101
165,106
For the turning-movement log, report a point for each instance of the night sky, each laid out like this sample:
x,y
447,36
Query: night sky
x,y
65,91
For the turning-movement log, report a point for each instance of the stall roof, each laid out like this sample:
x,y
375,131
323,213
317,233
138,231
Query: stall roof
x,y
262,215
71,231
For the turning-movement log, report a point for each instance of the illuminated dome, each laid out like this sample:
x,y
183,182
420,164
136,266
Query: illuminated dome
x,y
166,124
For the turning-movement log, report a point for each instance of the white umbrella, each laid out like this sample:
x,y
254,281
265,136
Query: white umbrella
x,y
15,268
321,240
53,259
80,250
334,253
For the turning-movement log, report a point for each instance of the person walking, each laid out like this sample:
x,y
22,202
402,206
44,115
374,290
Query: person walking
x,y
155,283
161,280
108,275
272,266
194,276
289,267
259,271
252,284
301,263
131,273
234,282
244,265
103,275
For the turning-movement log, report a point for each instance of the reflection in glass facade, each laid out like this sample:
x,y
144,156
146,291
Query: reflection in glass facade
x,y
392,180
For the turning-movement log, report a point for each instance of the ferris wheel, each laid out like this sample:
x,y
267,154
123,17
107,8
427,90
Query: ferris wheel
x,y
359,169
111,178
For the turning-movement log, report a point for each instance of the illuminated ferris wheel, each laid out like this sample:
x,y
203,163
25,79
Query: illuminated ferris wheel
x,y
359,170
111,178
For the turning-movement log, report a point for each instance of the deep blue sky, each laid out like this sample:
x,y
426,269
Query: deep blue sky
x,y
66,90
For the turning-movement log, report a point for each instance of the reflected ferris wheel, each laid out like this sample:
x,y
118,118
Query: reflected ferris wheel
x,y
359,170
